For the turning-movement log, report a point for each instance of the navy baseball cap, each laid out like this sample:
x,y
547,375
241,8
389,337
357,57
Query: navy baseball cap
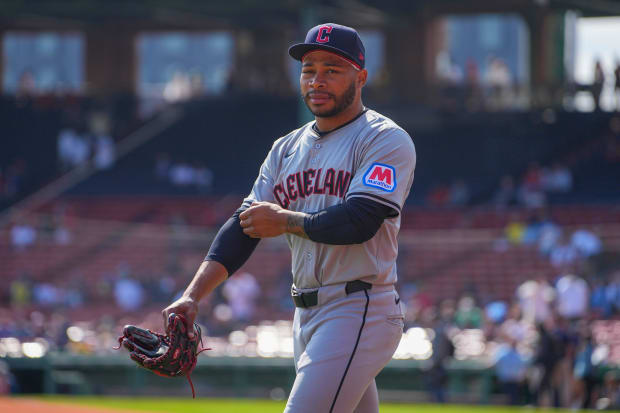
x,y
341,40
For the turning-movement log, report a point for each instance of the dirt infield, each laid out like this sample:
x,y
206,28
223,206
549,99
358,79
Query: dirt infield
x,y
23,405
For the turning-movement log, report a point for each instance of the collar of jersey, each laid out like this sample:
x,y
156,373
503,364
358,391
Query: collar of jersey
x,y
323,134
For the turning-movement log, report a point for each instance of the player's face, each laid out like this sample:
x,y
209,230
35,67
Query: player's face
x,y
329,83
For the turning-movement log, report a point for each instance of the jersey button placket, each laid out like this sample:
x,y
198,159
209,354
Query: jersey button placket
x,y
315,155
309,266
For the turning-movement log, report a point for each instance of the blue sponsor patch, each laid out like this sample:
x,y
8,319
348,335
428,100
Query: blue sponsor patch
x,y
381,176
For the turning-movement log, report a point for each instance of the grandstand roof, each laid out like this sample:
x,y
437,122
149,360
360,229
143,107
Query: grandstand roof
x,y
188,13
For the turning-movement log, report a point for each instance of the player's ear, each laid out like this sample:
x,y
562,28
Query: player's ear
x,y
362,77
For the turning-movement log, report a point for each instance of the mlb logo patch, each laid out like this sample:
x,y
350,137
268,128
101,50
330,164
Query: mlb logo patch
x,y
381,176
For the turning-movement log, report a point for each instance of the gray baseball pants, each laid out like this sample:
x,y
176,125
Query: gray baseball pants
x,y
341,344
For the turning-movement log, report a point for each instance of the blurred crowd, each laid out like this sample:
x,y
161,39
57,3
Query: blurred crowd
x,y
539,185
183,173
557,343
78,144
531,191
554,343
561,247
493,87
536,183
545,346
123,290
51,134
13,179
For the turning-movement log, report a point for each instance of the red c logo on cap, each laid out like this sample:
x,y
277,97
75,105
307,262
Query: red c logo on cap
x,y
323,34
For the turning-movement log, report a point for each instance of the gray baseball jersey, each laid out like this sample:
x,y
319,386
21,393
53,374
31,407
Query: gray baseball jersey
x,y
370,157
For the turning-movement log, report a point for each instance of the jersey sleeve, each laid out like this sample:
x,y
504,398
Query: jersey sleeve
x,y
262,190
385,172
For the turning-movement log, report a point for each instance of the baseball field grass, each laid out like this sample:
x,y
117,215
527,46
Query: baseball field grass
x,y
177,405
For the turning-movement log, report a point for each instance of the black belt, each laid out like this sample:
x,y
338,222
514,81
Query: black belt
x,y
310,299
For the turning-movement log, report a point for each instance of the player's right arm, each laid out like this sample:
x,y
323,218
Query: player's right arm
x,y
210,274
229,250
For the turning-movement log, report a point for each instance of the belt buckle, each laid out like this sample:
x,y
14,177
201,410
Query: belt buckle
x,y
297,297
299,300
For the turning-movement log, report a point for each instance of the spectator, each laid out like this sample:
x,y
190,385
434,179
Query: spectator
x,y
537,225
566,339
546,359
499,80
241,291
62,235
197,85
531,191
535,298
104,152
597,85
572,297
20,292
514,329
443,350
610,399
506,194
602,299
613,291
557,179
532,179
515,229
473,94
416,300
46,294
563,254
68,140
74,292
438,196
495,311
182,174
510,368
617,84
27,86
179,88
586,243
104,149
550,235
23,235
468,315
80,151
448,71
5,379
585,371
128,292
459,193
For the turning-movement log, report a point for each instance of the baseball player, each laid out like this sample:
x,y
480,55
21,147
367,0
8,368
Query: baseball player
x,y
335,188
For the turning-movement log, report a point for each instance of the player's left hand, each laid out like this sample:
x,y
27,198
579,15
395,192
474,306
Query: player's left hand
x,y
264,220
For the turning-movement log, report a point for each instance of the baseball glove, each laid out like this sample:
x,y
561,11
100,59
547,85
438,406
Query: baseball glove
x,y
168,355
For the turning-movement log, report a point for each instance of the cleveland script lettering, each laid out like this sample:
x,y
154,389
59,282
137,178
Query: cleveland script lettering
x,y
309,182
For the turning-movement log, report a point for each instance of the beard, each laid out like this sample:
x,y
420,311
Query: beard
x,y
340,103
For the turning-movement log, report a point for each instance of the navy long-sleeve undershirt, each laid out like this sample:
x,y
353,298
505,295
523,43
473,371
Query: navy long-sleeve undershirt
x,y
354,221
